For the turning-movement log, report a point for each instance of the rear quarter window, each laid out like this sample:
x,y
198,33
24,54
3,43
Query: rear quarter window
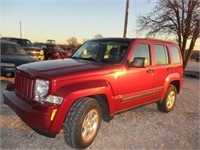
x,y
175,55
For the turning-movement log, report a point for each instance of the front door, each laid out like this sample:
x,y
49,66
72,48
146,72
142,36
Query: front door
x,y
136,84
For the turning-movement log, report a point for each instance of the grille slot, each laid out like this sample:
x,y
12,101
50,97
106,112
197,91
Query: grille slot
x,y
24,86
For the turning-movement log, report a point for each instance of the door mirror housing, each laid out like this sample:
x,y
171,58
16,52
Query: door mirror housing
x,y
139,62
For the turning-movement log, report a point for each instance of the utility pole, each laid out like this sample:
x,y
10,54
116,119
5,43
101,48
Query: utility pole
x,y
126,18
20,29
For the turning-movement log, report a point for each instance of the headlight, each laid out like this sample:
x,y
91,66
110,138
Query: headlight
x,y
41,89
53,99
7,65
41,52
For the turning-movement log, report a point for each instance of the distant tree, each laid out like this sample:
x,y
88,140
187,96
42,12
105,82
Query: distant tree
x,y
85,40
97,36
175,17
72,42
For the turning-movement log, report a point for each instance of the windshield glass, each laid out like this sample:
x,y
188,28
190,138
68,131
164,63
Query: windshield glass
x,y
22,42
102,51
12,49
53,47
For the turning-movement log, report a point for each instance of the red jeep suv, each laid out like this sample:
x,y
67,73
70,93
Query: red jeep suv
x,y
103,77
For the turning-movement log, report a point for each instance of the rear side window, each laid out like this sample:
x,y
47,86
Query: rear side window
x,y
142,50
175,55
22,42
161,55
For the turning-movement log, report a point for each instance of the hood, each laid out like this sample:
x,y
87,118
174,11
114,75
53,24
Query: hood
x,y
17,59
32,48
62,68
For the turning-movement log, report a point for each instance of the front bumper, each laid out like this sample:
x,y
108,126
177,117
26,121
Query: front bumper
x,y
5,70
36,115
39,57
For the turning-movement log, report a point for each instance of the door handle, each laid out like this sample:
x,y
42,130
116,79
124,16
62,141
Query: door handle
x,y
150,71
170,68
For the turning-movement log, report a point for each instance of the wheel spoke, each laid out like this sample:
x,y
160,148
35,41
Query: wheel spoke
x,y
85,123
94,118
90,116
84,132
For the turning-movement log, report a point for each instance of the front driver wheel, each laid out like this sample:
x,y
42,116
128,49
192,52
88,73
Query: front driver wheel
x,y
82,123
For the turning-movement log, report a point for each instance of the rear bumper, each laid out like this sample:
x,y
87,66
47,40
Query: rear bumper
x,y
35,115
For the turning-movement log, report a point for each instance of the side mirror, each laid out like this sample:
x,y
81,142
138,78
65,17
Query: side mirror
x,y
139,62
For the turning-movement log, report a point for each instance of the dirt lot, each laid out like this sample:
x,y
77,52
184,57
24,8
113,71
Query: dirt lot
x,y
140,128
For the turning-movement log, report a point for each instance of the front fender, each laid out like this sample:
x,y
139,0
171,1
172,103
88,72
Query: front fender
x,y
72,92
171,78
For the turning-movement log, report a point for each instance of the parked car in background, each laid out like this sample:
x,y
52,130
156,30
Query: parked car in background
x,y
28,46
198,59
13,55
52,51
49,41
196,55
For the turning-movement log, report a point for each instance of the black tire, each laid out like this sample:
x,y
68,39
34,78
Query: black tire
x,y
167,104
82,123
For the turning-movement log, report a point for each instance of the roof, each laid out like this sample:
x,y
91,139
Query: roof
x,y
13,38
7,42
131,40
114,39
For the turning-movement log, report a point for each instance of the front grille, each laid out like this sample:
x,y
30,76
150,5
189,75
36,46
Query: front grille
x,y
24,86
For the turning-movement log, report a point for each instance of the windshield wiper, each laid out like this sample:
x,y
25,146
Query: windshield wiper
x,y
90,58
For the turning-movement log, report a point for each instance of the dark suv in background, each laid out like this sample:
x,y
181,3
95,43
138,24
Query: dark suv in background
x,y
28,46
13,55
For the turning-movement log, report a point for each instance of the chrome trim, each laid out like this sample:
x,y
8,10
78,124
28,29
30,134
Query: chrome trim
x,y
140,95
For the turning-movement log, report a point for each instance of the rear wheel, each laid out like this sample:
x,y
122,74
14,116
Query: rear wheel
x,y
82,123
167,104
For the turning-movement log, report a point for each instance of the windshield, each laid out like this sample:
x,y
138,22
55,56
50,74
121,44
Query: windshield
x,y
22,42
53,47
102,51
12,49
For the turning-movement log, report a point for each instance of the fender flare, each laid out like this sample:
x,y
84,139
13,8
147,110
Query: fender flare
x,y
169,79
73,92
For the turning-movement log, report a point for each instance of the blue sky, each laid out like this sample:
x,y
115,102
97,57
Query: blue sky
x,y
62,19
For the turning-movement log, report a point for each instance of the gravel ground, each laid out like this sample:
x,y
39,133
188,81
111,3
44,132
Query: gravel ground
x,y
140,128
